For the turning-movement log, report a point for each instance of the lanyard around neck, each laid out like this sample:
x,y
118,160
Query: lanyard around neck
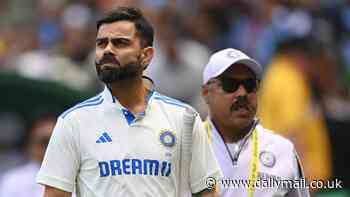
x,y
254,163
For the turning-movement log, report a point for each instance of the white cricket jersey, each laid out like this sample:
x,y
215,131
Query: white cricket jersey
x,y
101,149
277,160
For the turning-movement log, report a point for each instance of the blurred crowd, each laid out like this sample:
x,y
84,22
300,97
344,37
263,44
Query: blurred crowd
x,y
303,45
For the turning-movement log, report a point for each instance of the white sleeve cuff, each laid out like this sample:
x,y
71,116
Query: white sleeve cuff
x,y
55,182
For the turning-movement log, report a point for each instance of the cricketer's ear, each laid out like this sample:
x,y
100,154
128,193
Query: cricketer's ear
x,y
147,56
205,92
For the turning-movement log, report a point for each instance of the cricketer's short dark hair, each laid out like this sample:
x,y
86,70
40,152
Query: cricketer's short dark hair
x,y
143,27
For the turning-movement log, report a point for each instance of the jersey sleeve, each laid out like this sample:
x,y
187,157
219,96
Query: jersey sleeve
x,y
61,162
203,162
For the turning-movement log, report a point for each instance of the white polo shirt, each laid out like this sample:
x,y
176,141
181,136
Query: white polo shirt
x,y
277,160
100,149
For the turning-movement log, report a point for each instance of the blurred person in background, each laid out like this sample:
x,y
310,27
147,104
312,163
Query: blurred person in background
x,y
215,16
178,61
65,61
20,181
12,129
50,31
289,105
252,28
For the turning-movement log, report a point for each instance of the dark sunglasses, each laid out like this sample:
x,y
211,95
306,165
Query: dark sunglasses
x,y
230,85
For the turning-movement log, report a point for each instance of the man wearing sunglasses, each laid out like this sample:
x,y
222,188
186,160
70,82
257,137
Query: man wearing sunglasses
x,y
255,162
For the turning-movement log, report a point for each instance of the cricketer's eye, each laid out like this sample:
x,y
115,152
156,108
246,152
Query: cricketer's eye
x,y
120,42
101,42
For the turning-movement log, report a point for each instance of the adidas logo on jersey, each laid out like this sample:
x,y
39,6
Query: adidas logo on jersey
x,y
104,138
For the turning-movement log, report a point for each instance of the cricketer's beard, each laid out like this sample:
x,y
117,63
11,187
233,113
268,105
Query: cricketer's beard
x,y
109,73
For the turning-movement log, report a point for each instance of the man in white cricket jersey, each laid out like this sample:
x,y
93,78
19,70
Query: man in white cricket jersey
x,y
254,161
128,141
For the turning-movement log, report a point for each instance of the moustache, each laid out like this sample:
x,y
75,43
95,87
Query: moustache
x,y
242,102
107,59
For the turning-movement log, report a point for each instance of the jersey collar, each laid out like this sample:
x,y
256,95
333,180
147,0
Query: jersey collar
x,y
113,103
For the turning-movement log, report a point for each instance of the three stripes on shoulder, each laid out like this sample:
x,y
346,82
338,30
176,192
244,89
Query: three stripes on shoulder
x,y
90,102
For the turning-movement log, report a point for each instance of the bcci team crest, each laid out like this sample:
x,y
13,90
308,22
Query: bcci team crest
x,y
268,159
167,138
